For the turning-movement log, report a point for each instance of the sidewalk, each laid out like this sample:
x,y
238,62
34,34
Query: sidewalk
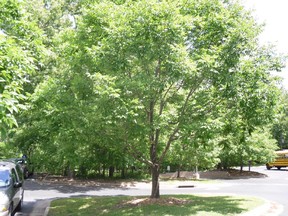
x,y
41,208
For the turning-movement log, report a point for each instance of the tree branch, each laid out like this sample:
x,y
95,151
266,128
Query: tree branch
x,y
168,144
191,92
138,155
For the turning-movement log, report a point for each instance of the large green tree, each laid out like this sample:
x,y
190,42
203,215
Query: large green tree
x,y
174,64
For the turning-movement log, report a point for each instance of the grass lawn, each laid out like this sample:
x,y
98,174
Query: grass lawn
x,y
166,205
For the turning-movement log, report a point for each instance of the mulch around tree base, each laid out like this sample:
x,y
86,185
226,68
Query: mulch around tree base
x,y
184,175
215,174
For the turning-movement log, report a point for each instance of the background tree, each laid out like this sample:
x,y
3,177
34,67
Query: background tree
x,y
280,126
253,106
20,56
198,145
52,17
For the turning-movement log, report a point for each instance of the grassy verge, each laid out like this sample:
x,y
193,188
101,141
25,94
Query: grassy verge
x,y
167,205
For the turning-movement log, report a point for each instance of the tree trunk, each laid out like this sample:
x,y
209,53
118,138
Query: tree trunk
x,y
70,172
82,171
241,163
155,193
153,138
103,171
123,172
111,171
178,171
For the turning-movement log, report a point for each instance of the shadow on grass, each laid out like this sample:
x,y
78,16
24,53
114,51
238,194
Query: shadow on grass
x,y
197,205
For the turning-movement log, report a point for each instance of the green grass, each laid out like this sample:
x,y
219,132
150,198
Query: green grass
x,y
196,205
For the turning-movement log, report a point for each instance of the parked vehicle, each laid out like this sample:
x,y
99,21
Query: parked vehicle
x,y
280,161
11,188
26,166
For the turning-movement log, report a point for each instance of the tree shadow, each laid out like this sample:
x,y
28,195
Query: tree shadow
x,y
223,205
74,187
220,205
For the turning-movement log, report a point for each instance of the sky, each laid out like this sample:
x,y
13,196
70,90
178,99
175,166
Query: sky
x,y
274,13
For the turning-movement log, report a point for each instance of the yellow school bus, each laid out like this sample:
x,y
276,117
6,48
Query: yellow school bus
x,y
280,161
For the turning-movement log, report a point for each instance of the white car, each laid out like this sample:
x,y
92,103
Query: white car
x,y
11,188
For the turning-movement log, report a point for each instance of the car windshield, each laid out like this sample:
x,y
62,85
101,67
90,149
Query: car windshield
x,y
20,161
4,178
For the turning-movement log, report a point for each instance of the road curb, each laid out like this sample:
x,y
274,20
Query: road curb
x,y
46,211
47,207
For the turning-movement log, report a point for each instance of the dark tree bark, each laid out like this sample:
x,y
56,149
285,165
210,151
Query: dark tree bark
x,y
111,171
155,193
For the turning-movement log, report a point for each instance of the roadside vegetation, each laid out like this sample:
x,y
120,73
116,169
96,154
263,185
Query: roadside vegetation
x,y
166,205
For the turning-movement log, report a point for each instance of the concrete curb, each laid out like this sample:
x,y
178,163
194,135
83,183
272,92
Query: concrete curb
x,y
47,207
41,208
46,211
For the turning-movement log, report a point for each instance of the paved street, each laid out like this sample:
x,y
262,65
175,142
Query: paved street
x,y
273,188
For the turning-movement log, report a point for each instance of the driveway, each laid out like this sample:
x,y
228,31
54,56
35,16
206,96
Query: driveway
x,y
273,188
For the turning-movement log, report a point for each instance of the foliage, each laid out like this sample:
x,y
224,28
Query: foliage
x,y
253,107
280,126
258,148
198,149
7,151
261,146
20,48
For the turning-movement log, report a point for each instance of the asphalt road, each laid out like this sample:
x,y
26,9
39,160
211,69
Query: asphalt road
x,y
273,188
